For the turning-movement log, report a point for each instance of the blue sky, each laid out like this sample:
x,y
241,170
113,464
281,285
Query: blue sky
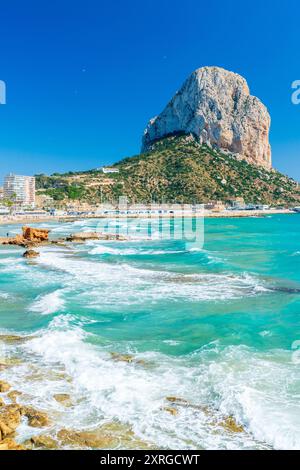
x,y
84,77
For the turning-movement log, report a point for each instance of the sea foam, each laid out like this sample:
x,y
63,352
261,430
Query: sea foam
x,y
215,382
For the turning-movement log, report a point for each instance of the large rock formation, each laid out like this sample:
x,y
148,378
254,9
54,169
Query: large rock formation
x,y
35,234
216,107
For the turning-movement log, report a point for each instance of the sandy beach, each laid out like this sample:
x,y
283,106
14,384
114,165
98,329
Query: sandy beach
x,y
5,220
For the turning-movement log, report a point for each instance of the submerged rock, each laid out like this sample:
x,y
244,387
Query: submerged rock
x,y
231,425
178,401
31,254
63,398
122,357
129,358
14,338
171,410
81,237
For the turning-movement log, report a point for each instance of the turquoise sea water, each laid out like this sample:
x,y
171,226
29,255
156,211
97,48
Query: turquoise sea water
x,y
217,326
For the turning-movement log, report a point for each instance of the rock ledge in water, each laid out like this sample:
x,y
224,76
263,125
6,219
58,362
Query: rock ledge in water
x,y
31,254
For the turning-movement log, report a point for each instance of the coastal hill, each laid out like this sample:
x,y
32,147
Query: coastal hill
x,y
215,106
211,143
176,169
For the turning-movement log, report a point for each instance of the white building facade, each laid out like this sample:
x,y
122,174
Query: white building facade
x,y
20,189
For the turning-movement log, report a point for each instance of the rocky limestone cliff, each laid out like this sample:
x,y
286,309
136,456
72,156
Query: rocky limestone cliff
x,y
215,105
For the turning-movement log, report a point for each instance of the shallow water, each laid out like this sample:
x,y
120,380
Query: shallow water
x,y
215,326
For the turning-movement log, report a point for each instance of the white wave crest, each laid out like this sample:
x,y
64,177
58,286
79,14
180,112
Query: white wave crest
x,y
48,304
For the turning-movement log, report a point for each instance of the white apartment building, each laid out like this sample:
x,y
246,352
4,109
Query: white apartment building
x,y
110,169
20,188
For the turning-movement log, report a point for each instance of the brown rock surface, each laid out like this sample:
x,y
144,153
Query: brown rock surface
x,y
83,236
171,410
29,237
4,386
10,418
122,357
109,436
13,338
36,419
13,395
31,254
43,441
129,358
63,398
10,444
231,425
35,235
91,439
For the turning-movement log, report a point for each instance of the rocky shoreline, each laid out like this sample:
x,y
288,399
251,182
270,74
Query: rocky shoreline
x,y
16,410
33,238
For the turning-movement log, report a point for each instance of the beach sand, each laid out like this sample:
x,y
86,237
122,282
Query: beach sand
x,y
4,220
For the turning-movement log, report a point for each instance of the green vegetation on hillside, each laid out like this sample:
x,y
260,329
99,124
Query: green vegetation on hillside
x,y
177,169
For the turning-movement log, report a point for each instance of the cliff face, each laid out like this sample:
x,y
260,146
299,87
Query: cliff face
x,y
216,107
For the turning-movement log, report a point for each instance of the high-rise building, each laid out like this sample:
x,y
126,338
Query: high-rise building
x,y
20,189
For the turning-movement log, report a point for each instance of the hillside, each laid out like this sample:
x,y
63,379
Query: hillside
x,y
177,169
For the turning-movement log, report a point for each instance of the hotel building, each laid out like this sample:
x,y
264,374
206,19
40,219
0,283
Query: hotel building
x,y
20,189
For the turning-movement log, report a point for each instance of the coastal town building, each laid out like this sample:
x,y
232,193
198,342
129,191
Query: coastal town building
x,y
20,189
4,210
107,169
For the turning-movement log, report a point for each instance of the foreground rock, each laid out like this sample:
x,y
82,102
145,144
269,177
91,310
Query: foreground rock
x,y
216,107
10,444
4,386
10,419
108,436
42,442
36,419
